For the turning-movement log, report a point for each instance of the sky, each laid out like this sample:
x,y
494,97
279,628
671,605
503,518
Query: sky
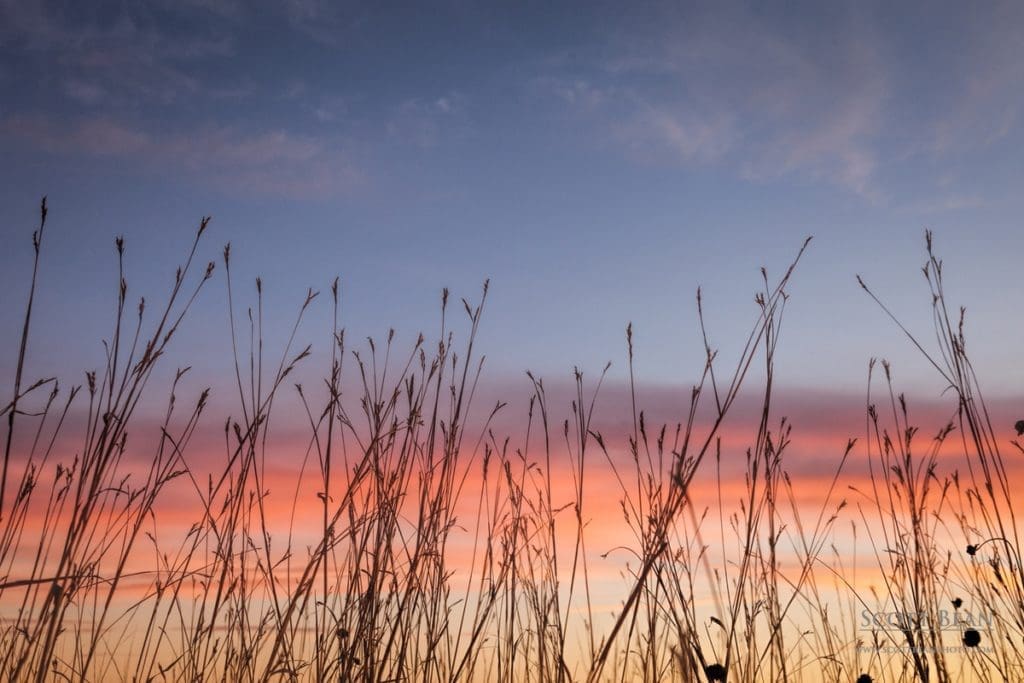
x,y
596,161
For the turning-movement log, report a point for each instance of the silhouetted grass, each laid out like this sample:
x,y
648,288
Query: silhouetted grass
x,y
421,545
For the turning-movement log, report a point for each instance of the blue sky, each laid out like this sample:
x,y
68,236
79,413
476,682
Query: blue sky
x,y
597,161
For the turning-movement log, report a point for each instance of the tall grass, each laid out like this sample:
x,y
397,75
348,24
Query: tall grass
x,y
951,539
419,543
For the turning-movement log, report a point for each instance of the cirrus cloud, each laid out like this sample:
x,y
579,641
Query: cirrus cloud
x,y
272,162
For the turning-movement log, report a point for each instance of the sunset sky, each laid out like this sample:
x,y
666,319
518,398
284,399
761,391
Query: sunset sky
x,y
596,161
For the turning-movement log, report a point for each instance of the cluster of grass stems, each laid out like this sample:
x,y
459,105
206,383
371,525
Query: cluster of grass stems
x,y
430,548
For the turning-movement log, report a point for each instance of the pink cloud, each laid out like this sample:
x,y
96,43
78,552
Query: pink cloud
x,y
275,162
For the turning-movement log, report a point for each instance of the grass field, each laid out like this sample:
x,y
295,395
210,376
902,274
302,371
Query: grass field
x,y
414,541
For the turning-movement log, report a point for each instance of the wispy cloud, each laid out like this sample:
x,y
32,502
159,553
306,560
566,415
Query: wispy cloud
x,y
657,132
732,89
822,420
987,83
275,162
123,59
838,146
324,21
424,122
